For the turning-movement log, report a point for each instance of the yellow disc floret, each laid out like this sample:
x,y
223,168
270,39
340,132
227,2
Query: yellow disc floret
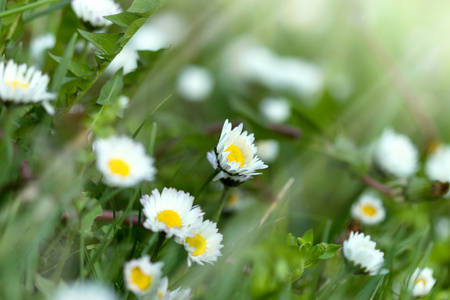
x,y
369,210
420,280
170,218
141,280
235,155
197,242
16,84
119,167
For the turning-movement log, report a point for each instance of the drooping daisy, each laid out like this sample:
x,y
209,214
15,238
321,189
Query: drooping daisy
x,y
205,243
437,166
85,291
170,212
422,282
368,209
142,277
92,12
395,154
276,110
360,252
235,155
195,83
123,162
22,85
178,294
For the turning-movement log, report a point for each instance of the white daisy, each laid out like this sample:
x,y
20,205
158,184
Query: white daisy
x,y
92,12
276,110
437,166
368,209
235,155
142,277
123,162
178,294
85,291
268,150
422,282
395,154
171,212
195,83
22,85
360,251
205,243
40,44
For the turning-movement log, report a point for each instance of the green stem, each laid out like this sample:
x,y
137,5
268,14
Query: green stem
x,y
82,274
137,235
23,8
210,178
222,201
158,247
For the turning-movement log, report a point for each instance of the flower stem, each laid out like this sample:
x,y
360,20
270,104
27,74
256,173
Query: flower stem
x,y
210,178
222,201
158,247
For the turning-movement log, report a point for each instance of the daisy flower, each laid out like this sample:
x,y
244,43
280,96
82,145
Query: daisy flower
x,y
195,83
170,212
369,209
22,85
142,277
395,154
85,291
92,12
235,155
123,162
178,294
276,110
437,166
422,282
360,252
204,244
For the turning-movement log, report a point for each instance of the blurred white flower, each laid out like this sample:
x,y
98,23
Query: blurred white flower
x,y
171,212
85,291
23,85
178,294
268,150
305,14
195,83
204,245
360,251
235,155
437,166
123,162
442,228
92,12
340,87
40,44
422,282
276,110
368,209
142,277
395,154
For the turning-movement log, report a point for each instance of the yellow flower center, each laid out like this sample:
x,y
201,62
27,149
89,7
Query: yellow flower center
x,y
143,281
119,167
197,242
369,210
420,280
170,218
235,155
16,84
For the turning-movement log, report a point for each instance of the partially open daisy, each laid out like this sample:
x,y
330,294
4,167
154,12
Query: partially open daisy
x,y
235,155
368,209
204,244
92,12
359,251
178,294
142,277
422,282
123,162
22,85
171,212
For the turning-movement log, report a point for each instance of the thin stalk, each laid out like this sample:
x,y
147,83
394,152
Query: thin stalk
x,y
26,7
205,184
137,235
13,27
158,247
82,274
222,201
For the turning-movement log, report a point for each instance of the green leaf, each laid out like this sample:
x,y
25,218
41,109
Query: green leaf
x,y
308,237
88,218
44,285
330,251
61,70
131,30
112,89
106,42
145,6
124,19
79,70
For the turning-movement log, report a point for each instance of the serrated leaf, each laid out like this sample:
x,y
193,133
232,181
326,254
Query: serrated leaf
x,y
112,89
106,42
308,237
80,70
330,251
145,6
61,70
124,19
131,30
